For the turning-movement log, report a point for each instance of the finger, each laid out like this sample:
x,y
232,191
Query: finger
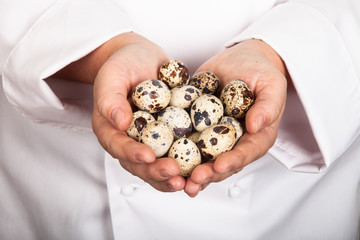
x,y
111,90
204,186
160,170
176,183
269,103
249,148
118,144
192,189
163,174
205,174
202,173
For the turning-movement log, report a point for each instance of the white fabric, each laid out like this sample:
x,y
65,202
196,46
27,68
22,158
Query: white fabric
x,y
334,119
31,95
57,183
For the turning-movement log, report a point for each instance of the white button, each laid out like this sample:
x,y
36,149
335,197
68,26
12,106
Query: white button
x,y
127,190
234,191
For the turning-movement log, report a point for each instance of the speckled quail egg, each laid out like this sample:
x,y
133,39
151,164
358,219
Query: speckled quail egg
x,y
235,123
139,121
194,136
207,82
215,140
177,119
159,136
237,98
186,154
183,96
174,73
151,95
207,110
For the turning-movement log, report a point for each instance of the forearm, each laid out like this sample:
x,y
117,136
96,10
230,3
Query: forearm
x,y
86,68
268,52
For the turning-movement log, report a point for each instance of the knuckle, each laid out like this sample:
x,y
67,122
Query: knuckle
x,y
104,107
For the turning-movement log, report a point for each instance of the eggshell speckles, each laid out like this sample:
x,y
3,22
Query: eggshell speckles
x,y
139,121
206,111
151,95
186,154
237,98
235,123
174,73
215,140
177,119
183,96
159,136
207,82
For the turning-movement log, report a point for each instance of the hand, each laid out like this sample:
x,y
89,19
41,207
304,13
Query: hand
x,y
262,69
117,67
130,64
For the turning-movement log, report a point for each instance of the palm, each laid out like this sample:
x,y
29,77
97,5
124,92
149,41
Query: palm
x,y
262,120
112,113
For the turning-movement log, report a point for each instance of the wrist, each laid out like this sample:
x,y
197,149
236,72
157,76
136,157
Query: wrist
x,y
268,52
86,68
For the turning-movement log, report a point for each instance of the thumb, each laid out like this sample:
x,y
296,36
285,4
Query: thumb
x,y
268,107
111,88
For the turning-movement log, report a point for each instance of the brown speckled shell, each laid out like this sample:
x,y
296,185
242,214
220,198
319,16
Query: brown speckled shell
x,y
183,96
216,140
237,98
174,73
186,154
159,136
151,95
235,123
139,121
177,119
206,111
207,82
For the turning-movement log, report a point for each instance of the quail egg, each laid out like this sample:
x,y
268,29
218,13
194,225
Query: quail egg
x,y
159,136
207,82
151,95
237,98
236,124
194,136
174,73
186,154
139,121
177,119
183,96
207,110
215,140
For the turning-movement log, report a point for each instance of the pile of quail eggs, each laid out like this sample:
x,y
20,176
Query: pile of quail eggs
x,y
182,117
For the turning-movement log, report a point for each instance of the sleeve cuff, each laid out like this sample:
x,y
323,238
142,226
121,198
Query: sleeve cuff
x,y
323,75
66,32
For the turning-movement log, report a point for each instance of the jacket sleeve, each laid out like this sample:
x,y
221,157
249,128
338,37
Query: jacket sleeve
x,y
319,42
64,32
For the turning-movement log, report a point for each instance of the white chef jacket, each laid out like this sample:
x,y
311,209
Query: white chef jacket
x,y
56,182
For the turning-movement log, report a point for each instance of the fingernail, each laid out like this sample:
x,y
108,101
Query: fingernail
x,y
165,173
227,169
171,188
194,195
140,158
206,181
203,187
116,117
260,122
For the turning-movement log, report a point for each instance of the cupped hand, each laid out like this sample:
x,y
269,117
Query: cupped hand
x,y
132,59
263,70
